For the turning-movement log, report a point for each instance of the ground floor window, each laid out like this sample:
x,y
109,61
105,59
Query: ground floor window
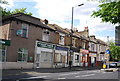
x,y
3,50
76,58
58,57
46,57
22,54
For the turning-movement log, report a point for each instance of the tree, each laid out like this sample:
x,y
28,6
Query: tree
x,y
6,12
115,51
108,12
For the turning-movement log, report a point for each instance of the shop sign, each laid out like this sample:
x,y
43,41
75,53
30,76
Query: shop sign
x,y
5,42
61,48
45,45
84,51
92,54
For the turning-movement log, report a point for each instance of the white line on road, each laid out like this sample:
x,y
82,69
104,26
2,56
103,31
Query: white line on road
x,y
35,77
77,76
87,75
68,74
61,78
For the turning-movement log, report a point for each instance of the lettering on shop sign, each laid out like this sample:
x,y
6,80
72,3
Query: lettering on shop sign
x,y
45,45
61,48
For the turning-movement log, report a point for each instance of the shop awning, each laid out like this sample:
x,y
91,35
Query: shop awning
x,y
5,42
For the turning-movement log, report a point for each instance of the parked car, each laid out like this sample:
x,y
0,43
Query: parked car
x,y
115,64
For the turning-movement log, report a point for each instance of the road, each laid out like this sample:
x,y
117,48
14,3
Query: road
x,y
88,74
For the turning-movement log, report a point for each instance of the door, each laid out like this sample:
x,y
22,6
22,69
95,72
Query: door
x,y
37,60
46,59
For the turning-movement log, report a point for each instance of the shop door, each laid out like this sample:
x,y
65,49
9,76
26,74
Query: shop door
x,y
46,60
37,60
90,61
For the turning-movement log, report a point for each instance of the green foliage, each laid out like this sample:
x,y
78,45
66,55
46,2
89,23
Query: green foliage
x,y
115,51
21,10
109,12
6,12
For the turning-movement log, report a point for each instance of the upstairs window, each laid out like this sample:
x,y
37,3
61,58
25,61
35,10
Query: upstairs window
x,y
25,30
61,40
92,47
73,42
46,35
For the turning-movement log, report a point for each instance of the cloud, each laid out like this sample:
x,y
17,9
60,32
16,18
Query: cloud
x,y
105,38
60,12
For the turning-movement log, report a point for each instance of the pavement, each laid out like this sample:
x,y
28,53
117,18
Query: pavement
x,y
12,72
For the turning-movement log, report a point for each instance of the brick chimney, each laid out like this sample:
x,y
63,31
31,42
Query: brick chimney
x,y
46,21
86,31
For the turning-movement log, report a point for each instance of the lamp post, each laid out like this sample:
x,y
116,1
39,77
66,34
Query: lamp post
x,y
70,62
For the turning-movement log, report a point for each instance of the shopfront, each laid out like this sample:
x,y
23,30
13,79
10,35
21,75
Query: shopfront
x,y
76,59
93,59
3,49
84,57
61,56
44,55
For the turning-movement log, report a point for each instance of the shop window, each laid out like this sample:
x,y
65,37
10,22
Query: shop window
x,y
46,56
22,54
25,30
58,58
3,53
46,35
61,40
76,58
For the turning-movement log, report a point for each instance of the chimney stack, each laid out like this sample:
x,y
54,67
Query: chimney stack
x,y
46,21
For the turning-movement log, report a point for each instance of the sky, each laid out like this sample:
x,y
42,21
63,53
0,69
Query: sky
x,y
60,12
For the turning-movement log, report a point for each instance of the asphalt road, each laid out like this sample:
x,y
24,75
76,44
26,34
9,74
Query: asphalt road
x,y
88,75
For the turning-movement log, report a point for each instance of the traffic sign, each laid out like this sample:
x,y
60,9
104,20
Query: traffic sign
x,y
107,51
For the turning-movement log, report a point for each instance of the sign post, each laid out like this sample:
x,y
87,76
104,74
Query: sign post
x,y
108,56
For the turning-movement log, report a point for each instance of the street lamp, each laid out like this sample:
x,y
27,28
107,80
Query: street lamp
x,y
70,62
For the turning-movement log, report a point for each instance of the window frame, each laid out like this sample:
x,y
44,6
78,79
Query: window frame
x,y
5,51
61,39
24,26
46,35
23,53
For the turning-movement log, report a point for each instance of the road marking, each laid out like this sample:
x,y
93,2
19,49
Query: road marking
x,y
68,74
77,76
35,77
87,75
64,74
61,78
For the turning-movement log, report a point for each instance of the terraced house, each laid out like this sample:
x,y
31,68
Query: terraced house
x,y
29,42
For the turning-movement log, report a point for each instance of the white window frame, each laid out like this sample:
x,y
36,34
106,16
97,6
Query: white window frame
x,y
77,57
62,41
73,42
24,25
23,52
46,36
92,47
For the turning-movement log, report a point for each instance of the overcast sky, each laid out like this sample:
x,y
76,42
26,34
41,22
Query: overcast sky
x,y
60,12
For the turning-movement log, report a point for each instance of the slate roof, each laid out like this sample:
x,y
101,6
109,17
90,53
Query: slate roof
x,y
26,18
